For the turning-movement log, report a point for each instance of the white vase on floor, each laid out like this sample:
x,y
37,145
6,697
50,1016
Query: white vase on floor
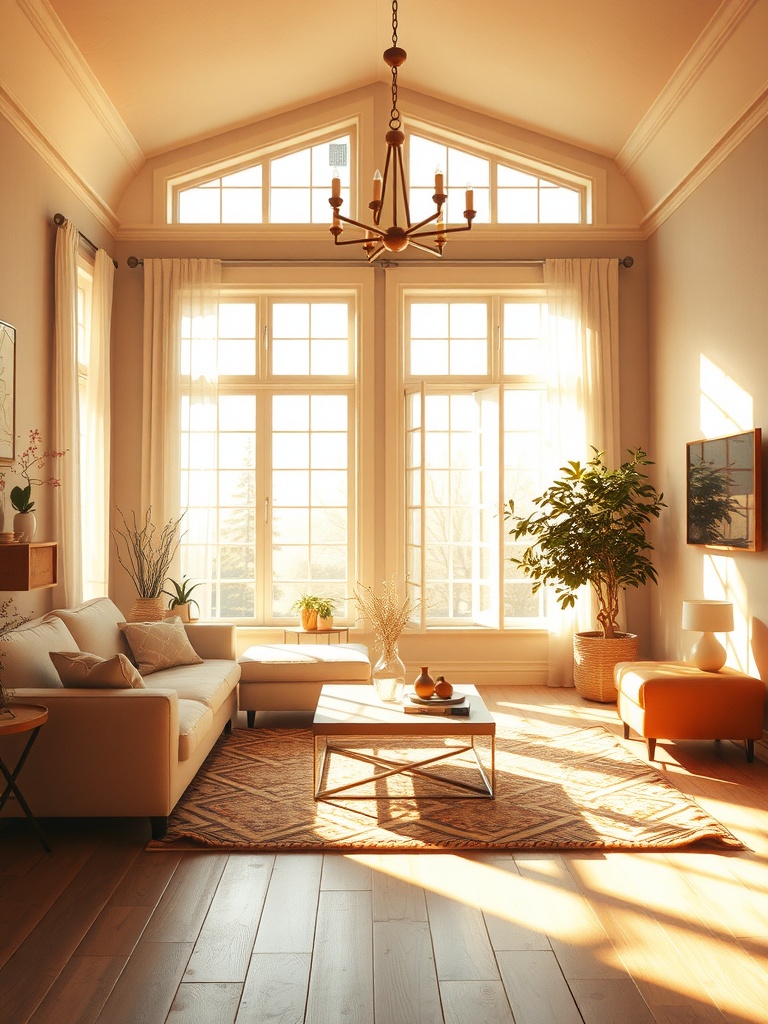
x,y
24,526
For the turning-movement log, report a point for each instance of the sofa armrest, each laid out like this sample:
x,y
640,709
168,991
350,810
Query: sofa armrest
x,y
101,752
213,639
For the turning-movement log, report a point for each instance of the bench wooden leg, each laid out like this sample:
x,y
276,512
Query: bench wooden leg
x,y
626,730
750,748
159,827
651,742
251,716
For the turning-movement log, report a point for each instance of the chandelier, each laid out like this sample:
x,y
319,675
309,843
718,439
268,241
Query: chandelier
x,y
401,234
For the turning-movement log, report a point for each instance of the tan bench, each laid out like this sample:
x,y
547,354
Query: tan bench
x,y
289,677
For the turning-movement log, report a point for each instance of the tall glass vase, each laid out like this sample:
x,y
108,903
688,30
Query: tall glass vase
x,y
388,675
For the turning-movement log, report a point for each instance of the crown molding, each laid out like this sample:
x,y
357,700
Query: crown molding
x,y
723,24
270,233
741,127
46,23
31,132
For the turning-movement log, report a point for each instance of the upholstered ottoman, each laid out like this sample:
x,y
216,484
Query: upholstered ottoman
x,y
678,701
289,677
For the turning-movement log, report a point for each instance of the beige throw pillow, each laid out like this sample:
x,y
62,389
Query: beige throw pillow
x,y
158,645
90,672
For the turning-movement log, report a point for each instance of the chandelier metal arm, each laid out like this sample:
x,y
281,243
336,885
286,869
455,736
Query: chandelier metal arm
x,y
396,238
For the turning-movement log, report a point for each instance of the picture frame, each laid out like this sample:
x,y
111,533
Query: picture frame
x,y
7,393
724,492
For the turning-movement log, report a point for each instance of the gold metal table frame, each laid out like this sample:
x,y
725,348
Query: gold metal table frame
x,y
355,711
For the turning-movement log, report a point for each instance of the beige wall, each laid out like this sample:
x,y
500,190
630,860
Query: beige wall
x,y
708,316
30,194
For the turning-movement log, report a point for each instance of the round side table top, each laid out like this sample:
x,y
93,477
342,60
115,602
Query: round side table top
x,y
25,717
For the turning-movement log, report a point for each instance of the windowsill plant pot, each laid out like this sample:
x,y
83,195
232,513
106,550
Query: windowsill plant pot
x,y
181,602
588,527
315,613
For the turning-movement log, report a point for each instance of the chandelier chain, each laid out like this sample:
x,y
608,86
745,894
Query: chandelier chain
x,y
394,114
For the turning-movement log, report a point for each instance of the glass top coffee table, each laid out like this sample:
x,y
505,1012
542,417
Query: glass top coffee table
x,y
347,715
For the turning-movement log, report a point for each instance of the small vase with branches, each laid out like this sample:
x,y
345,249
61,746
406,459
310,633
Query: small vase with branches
x,y
388,615
146,551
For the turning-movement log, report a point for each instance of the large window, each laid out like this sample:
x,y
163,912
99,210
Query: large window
x,y
475,409
286,188
268,465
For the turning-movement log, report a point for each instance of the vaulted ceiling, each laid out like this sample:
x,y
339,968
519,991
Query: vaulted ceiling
x,y
582,71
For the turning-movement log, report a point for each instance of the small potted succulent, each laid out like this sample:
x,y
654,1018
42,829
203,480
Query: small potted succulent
x,y
181,602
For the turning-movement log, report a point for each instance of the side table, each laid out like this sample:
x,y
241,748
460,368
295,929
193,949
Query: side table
x,y
26,718
326,633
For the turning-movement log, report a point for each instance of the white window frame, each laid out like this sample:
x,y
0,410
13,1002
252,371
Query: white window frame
x,y
454,285
265,287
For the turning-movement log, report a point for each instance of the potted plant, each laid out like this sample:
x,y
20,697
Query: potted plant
x,y
146,553
306,606
325,609
180,600
30,461
589,528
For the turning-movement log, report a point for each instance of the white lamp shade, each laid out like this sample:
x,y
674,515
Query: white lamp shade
x,y
708,616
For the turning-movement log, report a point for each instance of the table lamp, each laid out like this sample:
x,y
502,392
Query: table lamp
x,y
709,617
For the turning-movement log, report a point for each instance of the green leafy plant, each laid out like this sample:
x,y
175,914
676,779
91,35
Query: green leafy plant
x,y
180,593
324,608
589,527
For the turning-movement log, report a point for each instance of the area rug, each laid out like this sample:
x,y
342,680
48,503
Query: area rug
x,y
557,788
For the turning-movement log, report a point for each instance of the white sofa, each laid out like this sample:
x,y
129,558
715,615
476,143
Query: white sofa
x,y
115,752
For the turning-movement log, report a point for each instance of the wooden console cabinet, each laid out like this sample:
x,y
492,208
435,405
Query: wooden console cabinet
x,y
28,566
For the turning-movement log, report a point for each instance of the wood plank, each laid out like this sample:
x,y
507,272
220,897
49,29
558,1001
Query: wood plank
x,y
147,879
475,1001
580,942
290,909
146,989
276,989
406,990
397,891
223,948
80,991
511,927
341,872
341,982
608,1000
28,975
181,911
537,991
462,947
205,1003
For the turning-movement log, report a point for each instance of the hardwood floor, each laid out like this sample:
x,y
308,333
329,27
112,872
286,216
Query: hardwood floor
x,y
101,931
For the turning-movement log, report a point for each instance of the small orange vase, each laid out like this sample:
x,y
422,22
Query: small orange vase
x,y
425,684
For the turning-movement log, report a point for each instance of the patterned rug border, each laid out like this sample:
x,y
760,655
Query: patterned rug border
x,y
579,776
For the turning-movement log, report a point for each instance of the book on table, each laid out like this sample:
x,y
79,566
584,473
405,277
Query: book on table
x,y
447,710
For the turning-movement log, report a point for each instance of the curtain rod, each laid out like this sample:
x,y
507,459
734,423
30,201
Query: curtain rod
x,y
626,261
59,219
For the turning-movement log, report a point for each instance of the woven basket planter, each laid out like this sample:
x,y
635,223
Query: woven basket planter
x,y
594,659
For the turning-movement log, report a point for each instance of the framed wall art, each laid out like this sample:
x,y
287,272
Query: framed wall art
x,y
725,492
7,393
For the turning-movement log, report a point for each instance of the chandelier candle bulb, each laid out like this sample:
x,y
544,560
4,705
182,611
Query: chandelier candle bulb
x,y
470,198
439,182
336,186
377,186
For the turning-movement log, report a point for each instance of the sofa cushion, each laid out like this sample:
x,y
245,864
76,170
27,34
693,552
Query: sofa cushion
x,y
301,663
159,645
24,653
195,722
209,683
89,671
95,627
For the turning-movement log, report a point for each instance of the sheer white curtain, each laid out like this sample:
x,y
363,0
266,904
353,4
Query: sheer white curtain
x,y
96,450
583,305
181,404
66,419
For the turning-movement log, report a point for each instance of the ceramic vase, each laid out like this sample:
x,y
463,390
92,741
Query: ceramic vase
x,y
24,526
424,684
147,609
388,676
